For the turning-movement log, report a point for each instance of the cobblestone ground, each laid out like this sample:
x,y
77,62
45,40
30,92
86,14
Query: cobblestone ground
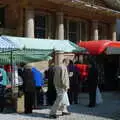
x,y
108,110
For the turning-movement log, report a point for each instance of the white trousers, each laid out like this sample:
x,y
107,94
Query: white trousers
x,y
60,102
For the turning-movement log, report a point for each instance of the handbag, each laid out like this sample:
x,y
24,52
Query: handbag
x,y
99,99
65,100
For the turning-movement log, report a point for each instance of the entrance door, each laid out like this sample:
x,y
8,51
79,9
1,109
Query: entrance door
x,y
110,71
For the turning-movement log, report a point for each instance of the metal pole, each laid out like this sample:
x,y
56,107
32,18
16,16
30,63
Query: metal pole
x,y
11,63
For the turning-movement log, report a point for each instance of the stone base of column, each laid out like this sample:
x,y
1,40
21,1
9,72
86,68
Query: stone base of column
x,y
20,104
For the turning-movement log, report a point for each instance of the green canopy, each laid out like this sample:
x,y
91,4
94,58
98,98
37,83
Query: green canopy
x,y
26,56
44,44
31,50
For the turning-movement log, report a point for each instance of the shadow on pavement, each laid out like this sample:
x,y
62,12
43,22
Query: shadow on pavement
x,y
35,114
108,109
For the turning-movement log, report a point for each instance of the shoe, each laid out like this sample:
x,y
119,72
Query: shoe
x,y
53,116
66,113
75,102
91,105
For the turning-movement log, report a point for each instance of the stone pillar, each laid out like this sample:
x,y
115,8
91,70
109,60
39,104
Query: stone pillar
x,y
114,35
60,26
59,56
29,23
95,30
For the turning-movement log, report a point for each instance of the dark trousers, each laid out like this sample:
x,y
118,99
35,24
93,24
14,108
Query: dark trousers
x,y
51,96
28,102
38,97
92,98
73,96
2,99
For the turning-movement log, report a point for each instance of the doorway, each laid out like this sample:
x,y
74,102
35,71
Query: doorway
x,y
111,64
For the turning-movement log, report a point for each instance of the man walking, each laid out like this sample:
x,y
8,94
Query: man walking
x,y
61,81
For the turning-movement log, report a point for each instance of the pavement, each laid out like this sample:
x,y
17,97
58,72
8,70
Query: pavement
x,y
108,110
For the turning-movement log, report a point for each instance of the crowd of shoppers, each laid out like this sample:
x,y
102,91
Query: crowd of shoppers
x,y
64,81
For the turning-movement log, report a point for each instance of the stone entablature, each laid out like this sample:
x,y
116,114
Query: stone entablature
x,y
96,2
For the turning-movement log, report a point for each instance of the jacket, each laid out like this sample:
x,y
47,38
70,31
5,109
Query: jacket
x,y
38,77
28,82
5,80
61,77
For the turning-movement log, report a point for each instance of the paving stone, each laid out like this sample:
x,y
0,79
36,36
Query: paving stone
x,y
108,110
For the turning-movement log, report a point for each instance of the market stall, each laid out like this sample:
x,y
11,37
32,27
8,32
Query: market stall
x,y
106,55
101,47
31,50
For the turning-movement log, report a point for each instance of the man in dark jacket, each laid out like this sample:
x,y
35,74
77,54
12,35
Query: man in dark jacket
x,y
29,88
51,93
74,77
92,83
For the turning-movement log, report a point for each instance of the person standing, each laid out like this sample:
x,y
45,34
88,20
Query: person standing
x,y
61,81
4,83
39,83
29,88
74,77
92,83
51,93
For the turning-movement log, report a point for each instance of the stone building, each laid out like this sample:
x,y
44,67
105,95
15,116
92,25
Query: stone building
x,y
58,19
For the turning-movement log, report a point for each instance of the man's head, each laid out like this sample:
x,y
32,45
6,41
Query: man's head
x,y
51,63
71,62
66,61
22,64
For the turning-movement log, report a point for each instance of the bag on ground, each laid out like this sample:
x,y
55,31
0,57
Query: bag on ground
x,y
99,99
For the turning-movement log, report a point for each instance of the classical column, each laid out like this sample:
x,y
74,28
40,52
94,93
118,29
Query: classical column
x,y
29,23
59,56
114,35
95,30
60,26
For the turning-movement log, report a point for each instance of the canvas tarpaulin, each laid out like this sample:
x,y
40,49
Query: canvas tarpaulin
x,y
31,50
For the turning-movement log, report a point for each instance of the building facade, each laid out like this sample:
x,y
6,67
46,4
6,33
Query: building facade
x,y
76,20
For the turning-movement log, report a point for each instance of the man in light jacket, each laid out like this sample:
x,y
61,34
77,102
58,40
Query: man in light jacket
x,y
61,81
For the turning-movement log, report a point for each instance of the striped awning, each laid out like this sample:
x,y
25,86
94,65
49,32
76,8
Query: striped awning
x,y
6,45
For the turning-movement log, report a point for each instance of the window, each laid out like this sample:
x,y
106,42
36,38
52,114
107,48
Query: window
x,y
83,31
2,16
40,26
103,31
75,30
